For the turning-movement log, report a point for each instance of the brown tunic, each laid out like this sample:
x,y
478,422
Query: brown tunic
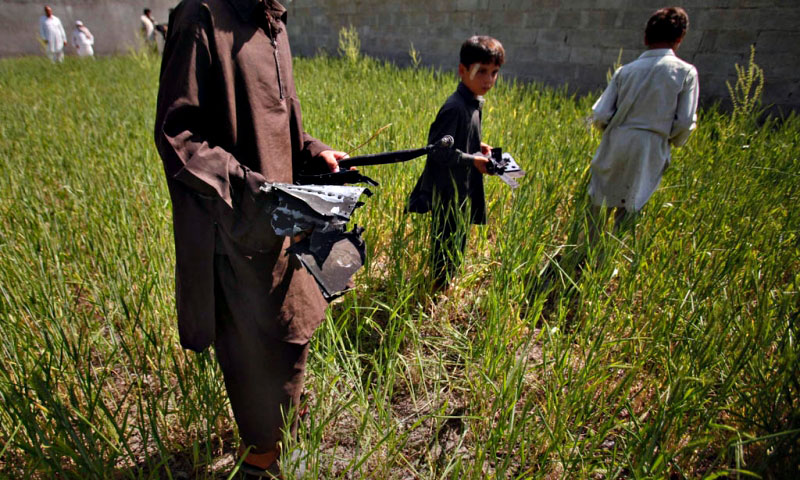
x,y
228,118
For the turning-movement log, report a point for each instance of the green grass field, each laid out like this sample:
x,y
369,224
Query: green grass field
x,y
673,355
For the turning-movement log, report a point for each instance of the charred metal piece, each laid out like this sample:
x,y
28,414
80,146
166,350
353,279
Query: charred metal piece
x,y
332,258
302,208
500,164
504,166
319,208
320,213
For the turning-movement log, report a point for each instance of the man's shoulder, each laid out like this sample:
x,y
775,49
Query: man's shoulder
x,y
194,9
194,5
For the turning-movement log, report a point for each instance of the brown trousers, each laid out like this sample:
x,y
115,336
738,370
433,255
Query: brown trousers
x,y
263,375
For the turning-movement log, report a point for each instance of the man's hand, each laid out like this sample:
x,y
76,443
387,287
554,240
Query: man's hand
x,y
481,162
332,158
254,181
486,149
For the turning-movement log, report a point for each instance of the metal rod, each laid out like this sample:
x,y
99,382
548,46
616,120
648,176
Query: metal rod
x,y
395,157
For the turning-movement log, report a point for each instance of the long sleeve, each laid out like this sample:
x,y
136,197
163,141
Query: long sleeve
x,y
307,160
313,147
606,106
42,29
63,33
686,113
182,127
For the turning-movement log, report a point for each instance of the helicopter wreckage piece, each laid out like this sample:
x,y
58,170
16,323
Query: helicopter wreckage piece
x,y
316,212
317,216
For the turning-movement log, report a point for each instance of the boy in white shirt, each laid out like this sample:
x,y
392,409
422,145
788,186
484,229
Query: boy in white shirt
x,y
648,106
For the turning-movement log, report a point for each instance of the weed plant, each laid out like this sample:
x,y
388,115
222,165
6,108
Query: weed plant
x,y
670,352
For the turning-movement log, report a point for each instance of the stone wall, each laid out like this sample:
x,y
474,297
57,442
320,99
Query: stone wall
x,y
572,42
114,23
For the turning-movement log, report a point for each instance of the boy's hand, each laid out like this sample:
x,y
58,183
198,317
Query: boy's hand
x,y
480,163
332,158
486,149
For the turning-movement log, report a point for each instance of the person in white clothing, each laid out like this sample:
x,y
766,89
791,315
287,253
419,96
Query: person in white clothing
x,y
148,29
83,40
649,105
52,33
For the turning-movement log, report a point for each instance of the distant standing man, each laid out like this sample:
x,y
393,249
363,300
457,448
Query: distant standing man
x,y
228,120
53,35
83,40
149,29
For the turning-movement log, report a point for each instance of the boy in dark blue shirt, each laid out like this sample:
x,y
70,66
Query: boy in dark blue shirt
x,y
452,188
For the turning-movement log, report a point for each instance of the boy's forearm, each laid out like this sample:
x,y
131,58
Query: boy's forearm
x,y
449,157
467,160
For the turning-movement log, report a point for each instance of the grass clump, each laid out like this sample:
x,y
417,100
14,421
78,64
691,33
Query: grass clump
x,y
675,356
349,43
746,92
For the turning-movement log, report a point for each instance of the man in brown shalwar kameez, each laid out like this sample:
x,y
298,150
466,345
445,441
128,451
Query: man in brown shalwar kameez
x,y
228,119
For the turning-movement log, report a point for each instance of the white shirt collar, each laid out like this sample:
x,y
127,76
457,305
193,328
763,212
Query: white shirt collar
x,y
657,52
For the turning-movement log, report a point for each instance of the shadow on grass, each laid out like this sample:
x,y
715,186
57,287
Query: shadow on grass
x,y
211,459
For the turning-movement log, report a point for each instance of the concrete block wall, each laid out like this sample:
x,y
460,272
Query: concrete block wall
x,y
573,42
114,23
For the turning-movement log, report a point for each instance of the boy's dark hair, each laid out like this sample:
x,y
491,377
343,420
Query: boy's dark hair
x,y
666,25
482,49
146,11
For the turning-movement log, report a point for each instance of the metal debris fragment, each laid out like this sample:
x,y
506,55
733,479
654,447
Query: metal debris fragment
x,y
316,213
332,258
319,214
303,208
